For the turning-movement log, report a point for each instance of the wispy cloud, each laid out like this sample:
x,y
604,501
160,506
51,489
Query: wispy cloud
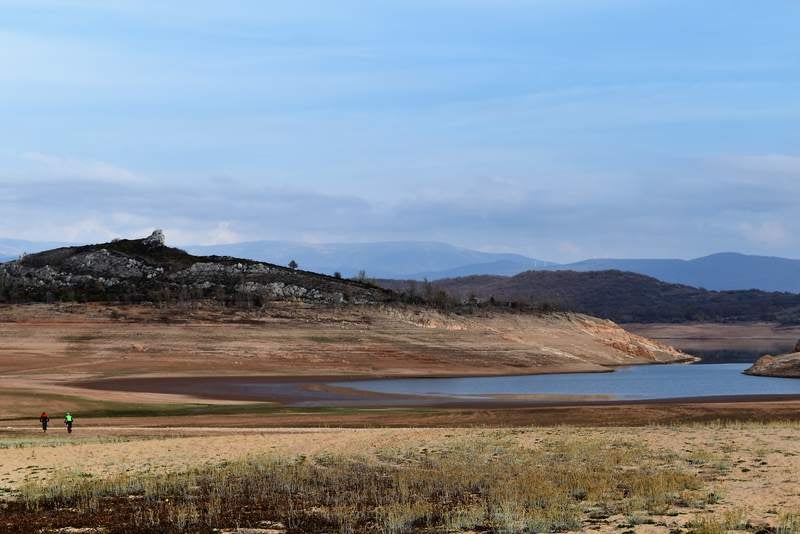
x,y
49,167
769,164
770,233
501,215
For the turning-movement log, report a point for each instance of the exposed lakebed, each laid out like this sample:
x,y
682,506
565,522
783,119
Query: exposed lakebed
x,y
636,383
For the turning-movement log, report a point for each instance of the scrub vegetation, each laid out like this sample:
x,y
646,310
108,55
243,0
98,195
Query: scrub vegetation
x,y
485,485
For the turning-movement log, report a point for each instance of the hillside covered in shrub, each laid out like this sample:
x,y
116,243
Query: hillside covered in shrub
x,y
620,296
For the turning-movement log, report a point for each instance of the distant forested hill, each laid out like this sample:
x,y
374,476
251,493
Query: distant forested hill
x,y
620,296
725,271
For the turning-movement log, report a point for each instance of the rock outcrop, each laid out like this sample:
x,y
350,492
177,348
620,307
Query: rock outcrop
x,y
786,366
155,240
146,270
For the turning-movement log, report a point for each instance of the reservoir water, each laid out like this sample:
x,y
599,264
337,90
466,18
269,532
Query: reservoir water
x,y
640,382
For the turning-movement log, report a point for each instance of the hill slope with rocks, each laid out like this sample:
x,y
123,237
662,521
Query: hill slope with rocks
x,y
620,296
146,270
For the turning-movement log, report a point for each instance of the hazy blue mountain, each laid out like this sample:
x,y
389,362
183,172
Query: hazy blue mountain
x,y
397,259
503,267
10,249
725,271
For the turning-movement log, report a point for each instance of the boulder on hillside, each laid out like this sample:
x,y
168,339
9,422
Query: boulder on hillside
x,y
156,239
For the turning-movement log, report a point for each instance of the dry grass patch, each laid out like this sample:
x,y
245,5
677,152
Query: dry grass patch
x,y
485,484
46,441
730,520
789,523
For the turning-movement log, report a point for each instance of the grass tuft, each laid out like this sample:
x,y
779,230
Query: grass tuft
x,y
484,484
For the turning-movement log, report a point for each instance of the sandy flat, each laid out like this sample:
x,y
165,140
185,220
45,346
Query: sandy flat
x,y
753,467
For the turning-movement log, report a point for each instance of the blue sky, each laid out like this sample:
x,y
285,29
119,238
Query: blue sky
x,y
562,129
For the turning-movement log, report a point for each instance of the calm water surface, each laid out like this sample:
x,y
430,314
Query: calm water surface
x,y
627,383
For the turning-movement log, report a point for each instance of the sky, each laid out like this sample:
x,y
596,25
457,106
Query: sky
x,y
560,129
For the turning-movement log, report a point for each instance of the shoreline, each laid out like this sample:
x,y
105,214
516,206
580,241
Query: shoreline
x,y
318,391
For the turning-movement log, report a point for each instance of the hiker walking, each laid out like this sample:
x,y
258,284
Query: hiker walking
x,y
68,422
44,419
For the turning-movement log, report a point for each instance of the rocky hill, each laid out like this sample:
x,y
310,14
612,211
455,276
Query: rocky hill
x,y
143,270
619,296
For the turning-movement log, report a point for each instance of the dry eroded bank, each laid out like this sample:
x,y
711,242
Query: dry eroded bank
x,y
45,347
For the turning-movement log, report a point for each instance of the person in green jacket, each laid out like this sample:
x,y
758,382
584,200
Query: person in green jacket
x,y
68,421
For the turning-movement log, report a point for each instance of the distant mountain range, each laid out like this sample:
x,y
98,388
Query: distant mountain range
x,y
623,297
436,261
393,259
417,260
15,247
723,271
11,249
142,270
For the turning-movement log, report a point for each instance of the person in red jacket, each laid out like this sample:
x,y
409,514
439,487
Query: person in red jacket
x,y
44,419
